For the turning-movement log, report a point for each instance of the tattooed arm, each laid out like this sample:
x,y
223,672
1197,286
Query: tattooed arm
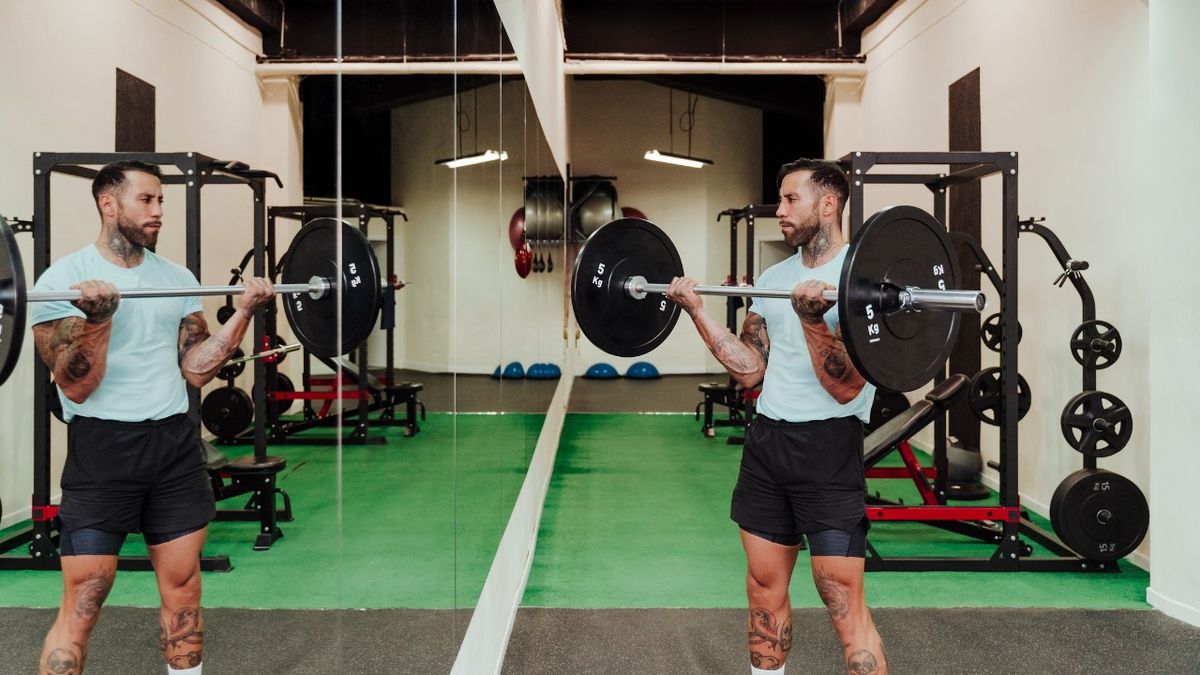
x,y
76,349
835,371
745,358
201,355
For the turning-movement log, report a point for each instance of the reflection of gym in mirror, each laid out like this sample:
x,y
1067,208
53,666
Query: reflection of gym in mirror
x,y
481,336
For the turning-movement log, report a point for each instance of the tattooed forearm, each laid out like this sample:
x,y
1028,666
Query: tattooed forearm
x,y
193,330
832,594
732,354
835,363
76,352
834,370
754,336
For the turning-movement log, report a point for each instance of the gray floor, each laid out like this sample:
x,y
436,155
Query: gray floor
x,y
248,641
627,641
446,392
918,641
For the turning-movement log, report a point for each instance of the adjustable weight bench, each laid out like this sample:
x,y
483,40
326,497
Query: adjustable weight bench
x,y
894,435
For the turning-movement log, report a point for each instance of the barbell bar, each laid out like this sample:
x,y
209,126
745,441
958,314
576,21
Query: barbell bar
x,y
900,262
316,288
910,299
262,355
311,285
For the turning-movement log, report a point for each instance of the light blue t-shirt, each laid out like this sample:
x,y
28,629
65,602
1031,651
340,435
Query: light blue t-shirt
x,y
142,380
790,389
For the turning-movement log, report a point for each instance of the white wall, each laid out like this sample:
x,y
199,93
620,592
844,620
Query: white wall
x,y
1171,240
1063,84
612,125
469,311
61,58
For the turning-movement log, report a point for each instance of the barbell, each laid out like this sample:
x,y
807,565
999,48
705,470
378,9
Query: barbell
x,y
900,264
311,285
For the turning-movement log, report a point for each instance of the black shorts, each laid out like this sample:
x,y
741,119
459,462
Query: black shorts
x,y
135,476
801,477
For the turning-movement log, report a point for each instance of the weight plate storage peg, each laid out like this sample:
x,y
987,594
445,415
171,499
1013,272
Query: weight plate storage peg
x,y
227,412
1096,344
1096,423
1099,514
990,332
986,397
313,253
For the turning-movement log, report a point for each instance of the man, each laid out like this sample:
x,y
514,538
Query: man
x,y
801,472
134,460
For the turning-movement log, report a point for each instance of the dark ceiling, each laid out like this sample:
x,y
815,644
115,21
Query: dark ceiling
x,y
415,30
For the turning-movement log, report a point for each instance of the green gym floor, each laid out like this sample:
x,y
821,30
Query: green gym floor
x,y
637,568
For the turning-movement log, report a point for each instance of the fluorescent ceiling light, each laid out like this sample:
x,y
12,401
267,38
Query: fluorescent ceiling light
x,y
477,158
680,160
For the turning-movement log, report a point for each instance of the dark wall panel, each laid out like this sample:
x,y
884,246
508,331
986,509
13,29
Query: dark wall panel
x,y
964,207
135,114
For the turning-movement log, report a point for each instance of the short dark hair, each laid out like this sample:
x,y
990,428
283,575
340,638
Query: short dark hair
x,y
826,176
113,175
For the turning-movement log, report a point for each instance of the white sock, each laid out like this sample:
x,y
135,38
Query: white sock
x,y
764,671
196,670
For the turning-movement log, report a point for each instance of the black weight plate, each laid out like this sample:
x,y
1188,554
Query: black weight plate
x,y
1096,344
607,315
898,247
314,253
230,371
12,301
990,332
1099,514
282,383
985,396
1096,423
887,404
227,412
225,313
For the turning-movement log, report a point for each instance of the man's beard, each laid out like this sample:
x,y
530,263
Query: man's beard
x,y
804,232
135,235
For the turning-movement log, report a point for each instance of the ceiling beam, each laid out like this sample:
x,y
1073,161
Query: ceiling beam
x,y
265,15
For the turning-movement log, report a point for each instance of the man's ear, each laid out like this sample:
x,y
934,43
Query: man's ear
x,y
107,204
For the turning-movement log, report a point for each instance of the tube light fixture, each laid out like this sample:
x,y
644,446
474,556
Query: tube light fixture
x,y
681,160
476,158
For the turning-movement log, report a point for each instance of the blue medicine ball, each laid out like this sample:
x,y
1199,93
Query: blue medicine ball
x,y
552,372
601,371
514,371
536,371
642,371
496,373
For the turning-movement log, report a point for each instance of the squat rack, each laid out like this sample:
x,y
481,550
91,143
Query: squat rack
x,y
195,170
963,168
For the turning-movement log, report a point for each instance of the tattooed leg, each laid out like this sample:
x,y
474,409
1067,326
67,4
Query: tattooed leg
x,y
839,581
182,639
177,567
87,580
768,573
